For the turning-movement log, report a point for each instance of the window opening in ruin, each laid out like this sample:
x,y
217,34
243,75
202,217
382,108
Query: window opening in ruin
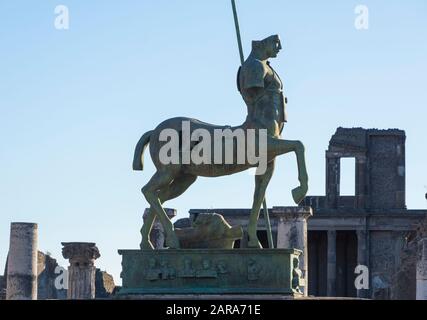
x,y
348,177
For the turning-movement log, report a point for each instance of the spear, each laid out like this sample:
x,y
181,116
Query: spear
x,y
236,23
242,59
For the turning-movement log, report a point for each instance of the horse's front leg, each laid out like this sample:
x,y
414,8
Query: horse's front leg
x,y
299,192
261,183
278,147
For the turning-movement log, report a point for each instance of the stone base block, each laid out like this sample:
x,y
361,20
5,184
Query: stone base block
x,y
210,272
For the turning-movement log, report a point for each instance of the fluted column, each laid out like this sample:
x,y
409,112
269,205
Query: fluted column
x,y
22,262
82,270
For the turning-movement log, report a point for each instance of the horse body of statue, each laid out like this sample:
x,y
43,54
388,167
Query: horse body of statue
x,y
178,139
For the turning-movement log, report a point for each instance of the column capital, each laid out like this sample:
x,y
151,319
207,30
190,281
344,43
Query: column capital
x,y
82,271
86,252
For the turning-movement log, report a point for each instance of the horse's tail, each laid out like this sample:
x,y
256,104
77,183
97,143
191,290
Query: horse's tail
x,y
138,158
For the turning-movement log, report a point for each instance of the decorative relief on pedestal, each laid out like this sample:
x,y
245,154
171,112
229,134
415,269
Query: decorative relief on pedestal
x,y
168,273
254,270
222,267
153,273
164,271
207,270
188,271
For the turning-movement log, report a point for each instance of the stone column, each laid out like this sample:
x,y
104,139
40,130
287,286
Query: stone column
x,y
292,233
401,174
422,270
361,180
362,257
157,235
81,272
333,168
332,264
22,262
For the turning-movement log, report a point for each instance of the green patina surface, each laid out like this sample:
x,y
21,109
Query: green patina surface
x,y
210,271
262,91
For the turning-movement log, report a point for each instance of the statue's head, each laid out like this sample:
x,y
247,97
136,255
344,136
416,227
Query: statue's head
x,y
269,47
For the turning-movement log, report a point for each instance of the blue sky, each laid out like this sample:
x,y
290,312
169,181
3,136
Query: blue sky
x,y
74,103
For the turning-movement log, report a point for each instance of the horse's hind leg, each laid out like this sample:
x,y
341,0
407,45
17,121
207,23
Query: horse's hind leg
x,y
146,230
160,180
175,189
261,183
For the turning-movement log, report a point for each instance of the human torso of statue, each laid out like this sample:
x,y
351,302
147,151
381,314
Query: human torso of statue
x,y
262,91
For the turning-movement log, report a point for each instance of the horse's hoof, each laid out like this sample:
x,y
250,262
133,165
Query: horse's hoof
x,y
146,245
298,194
